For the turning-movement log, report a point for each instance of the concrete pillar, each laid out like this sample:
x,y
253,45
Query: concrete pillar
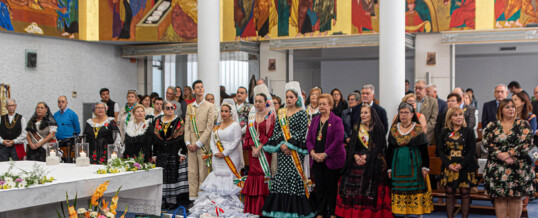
x,y
209,46
391,55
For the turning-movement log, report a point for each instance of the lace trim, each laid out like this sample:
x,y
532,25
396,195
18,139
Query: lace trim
x,y
134,129
411,129
92,124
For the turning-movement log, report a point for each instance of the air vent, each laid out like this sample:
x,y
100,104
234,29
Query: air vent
x,y
508,48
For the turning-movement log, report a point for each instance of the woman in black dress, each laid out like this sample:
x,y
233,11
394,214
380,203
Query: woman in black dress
x,y
41,129
169,152
138,135
456,149
99,132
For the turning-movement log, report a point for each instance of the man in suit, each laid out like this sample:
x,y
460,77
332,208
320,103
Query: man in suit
x,y
432,92
428,107
535,102
353,100
489,110
197,139
367,97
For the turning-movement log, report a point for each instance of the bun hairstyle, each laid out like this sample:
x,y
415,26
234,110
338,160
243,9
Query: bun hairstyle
x,y
227,105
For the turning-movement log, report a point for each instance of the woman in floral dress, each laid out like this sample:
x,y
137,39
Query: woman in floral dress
x,y
509,174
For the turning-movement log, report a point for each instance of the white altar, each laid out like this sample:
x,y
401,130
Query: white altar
x,y
141,191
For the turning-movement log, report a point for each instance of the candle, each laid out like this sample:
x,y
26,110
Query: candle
x,y
113,156
82,154
52,153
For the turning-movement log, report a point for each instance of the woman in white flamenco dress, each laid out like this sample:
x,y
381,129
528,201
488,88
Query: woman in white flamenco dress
x,y
218,189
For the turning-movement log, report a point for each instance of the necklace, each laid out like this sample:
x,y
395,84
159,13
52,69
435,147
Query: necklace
x,y
13,122
165,126
407,125
320,131
408,131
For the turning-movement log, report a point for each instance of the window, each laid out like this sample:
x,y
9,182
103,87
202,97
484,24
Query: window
x,y
233,70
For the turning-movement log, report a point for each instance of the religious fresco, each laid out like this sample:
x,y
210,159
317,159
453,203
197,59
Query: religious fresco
x,y
514,13
439,15
148,20
41,17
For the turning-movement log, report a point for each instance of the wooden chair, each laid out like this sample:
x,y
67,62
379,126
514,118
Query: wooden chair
x,y
431,150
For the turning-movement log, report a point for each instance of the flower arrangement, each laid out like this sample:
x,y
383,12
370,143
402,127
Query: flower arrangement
x,y
11,180
98,208
118,165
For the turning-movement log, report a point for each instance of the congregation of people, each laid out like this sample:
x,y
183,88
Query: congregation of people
x,y
305,154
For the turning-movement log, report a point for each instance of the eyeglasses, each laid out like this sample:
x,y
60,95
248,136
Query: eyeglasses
x,y
169,108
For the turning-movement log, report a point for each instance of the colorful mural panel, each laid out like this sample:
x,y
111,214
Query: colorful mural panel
x,y
41,17
514,13
439,15
148,20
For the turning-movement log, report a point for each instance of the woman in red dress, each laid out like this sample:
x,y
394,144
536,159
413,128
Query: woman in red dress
x,y
261,121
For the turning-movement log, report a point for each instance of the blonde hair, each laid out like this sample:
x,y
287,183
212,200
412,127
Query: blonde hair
x,y
131,92
328,97
139,106
450,113
404,99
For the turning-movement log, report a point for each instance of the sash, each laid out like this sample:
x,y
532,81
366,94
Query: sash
x,y
254,135
239,181
284,125
207,153
364,137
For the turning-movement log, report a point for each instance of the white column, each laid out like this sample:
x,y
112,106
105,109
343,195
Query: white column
x,y
391,55
209,46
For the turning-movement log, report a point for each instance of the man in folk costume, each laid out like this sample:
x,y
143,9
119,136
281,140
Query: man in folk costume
x,y
198,126
12,133
243,109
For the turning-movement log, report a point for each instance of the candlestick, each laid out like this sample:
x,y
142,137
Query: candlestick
x,y
82,154
52,153
113,156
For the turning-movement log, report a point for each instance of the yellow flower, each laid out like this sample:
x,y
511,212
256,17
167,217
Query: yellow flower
x,y
72,212
114,204
99,191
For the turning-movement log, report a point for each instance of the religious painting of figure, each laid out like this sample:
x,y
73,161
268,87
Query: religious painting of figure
x,y
417,17
326,12
133,12
42,17
185,19
243,17
362,12
462,14
514,13
284,9
265,16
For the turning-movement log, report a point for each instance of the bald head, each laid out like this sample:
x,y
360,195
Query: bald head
x,y
459,91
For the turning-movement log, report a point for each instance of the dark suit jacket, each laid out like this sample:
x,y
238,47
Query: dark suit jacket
x,y
346,119
535,107
381,113
442,105
334,144
489,113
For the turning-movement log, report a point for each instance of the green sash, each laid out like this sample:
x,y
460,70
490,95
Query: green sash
x,y
254,135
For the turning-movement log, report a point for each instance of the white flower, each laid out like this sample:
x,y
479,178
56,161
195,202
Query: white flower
x,y
9,179
93,214
22,184
110,215
81,210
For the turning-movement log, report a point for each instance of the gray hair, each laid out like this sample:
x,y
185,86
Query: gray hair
x,y
420,82
432,86
369,86
11,100
356,95
165,102
173,89
505,87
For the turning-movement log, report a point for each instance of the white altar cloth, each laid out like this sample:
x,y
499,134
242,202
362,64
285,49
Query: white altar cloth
x,y
141,191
